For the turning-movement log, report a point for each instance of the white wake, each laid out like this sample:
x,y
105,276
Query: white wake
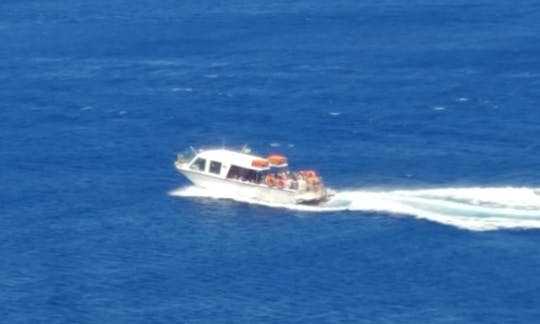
x,y
469,208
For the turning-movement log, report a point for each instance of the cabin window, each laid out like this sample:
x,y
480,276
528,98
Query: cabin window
x,y
215,167
242,174
199,164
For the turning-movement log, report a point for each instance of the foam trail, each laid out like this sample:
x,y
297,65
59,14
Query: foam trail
x,y
469,208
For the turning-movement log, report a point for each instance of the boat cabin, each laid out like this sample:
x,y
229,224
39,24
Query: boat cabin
x,y
235,165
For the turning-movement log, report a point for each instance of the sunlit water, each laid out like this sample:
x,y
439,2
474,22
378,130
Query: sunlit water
x,y
422,116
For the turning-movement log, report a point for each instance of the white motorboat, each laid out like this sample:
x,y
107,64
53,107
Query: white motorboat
x,y
243,175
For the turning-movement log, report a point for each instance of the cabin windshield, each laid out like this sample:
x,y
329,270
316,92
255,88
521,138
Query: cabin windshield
x,y
199,165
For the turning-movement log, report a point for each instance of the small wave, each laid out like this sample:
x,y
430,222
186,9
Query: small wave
x,y
334,113
220,64
439,108
182,90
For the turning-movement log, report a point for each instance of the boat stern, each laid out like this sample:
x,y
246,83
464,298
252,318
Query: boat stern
x,y
313,197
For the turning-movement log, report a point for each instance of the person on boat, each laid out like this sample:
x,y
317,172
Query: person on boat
x,y
289,183
270,180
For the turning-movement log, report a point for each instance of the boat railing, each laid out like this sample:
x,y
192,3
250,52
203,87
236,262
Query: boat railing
x,y
297,182
186,156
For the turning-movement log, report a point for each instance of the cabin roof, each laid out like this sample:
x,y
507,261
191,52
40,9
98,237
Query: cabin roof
x,y
231,157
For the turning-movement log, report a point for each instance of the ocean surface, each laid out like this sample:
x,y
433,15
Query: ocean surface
x,y
424,116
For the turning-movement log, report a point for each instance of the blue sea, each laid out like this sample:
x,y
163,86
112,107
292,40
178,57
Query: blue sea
x,y
423,116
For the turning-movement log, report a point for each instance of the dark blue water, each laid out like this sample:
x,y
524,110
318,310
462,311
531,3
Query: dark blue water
x,y
429,98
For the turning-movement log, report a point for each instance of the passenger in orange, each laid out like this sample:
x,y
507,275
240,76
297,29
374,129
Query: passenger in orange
x,y
270,180
281,183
